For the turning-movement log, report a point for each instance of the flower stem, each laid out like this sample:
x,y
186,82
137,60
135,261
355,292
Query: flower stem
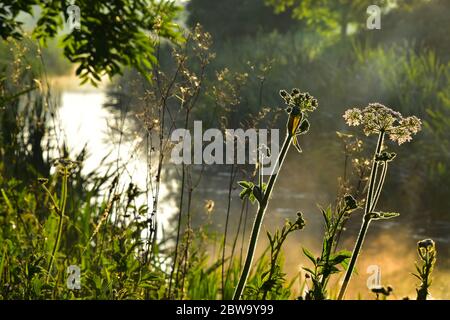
x,y
366,218
259,218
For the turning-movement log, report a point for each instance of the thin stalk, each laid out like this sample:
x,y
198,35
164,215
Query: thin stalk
x,y
259,218
380,186
244,229
180,213
188,241
230,189
233,248
366,218
61,211
175,258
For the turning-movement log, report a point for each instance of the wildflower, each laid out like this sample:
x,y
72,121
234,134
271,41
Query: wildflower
x,y
377,118
299,104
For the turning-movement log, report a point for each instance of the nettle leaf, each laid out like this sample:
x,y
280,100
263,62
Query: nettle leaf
x,y
384,215
309,255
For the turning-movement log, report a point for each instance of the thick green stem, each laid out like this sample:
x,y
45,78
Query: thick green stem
x,y
259,218
366,218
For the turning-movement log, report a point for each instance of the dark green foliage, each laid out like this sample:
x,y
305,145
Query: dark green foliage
x,y
274,279
327,15
327,263
113,34
423,23
232,19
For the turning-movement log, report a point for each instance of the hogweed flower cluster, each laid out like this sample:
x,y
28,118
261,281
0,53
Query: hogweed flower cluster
x,y
377,118
380,120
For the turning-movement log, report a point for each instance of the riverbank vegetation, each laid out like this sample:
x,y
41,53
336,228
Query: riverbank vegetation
x,y
278,65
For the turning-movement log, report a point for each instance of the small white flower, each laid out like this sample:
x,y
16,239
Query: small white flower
x,y
377,118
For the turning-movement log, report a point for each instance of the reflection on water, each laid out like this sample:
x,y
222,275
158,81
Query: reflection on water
x,y
84,121
389,244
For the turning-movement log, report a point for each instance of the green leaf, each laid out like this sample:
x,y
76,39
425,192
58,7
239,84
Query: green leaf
x,y
309,255
251,197
244,193
245,184
327,216
308,270
340,257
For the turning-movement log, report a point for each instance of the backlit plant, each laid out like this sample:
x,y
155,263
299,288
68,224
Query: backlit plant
x,y
427,253
299,104
329,260
382,121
